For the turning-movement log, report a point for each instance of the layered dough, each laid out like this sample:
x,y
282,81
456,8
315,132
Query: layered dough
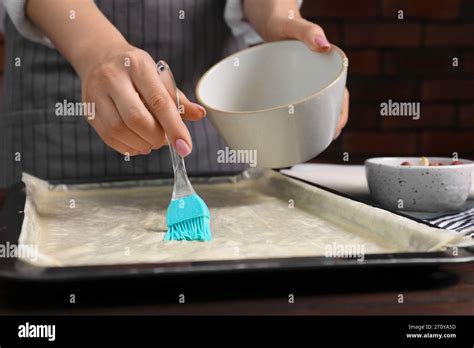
x,y
260,214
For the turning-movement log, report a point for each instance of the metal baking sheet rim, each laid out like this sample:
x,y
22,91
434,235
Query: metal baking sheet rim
x,y
39,274
15,269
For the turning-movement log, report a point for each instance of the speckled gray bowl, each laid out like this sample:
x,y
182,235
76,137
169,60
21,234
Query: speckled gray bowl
x,y
419,188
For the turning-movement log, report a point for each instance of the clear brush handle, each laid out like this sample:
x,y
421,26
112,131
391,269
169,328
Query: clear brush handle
x,y
182,187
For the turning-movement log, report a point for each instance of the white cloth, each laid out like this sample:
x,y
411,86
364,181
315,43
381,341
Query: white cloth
x,y
233,15
16,11
235,18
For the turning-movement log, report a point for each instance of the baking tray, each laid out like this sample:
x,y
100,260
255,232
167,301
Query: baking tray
x,y
11,219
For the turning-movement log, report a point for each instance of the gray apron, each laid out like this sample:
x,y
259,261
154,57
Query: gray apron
x,y
33,139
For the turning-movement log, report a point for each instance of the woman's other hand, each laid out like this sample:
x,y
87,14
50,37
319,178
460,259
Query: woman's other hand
x,y
278,20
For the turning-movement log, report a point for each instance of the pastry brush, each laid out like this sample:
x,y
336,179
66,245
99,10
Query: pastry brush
x,y
188,216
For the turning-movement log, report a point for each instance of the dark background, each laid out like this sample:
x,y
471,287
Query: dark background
x,y
403,60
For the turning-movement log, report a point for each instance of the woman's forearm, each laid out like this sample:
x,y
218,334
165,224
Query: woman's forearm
x,y
77,29
269,17
135,112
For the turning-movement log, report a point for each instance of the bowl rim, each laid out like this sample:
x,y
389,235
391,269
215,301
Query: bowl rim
x,y
261,46
376,160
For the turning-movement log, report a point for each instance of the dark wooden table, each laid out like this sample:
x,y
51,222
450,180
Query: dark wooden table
x,y
448,290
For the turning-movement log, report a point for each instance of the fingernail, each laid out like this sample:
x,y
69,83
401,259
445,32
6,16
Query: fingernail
x,y
146,152
203,111
337,135
182,148
322,41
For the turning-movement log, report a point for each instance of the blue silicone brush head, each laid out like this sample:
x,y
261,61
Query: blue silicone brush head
x,y
188,219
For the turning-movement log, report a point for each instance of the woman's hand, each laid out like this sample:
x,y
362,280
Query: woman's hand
x,y
133,107
313,36
281,20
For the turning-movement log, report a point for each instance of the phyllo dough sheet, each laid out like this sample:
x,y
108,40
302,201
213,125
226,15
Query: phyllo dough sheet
x,y
258,214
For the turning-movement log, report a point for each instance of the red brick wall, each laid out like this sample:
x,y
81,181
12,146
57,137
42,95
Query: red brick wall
x,y
403,60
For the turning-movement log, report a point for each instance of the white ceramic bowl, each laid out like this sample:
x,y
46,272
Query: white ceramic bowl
x,y
280,99
419,188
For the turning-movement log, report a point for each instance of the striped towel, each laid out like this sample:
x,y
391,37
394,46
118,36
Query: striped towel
x,y
459,222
